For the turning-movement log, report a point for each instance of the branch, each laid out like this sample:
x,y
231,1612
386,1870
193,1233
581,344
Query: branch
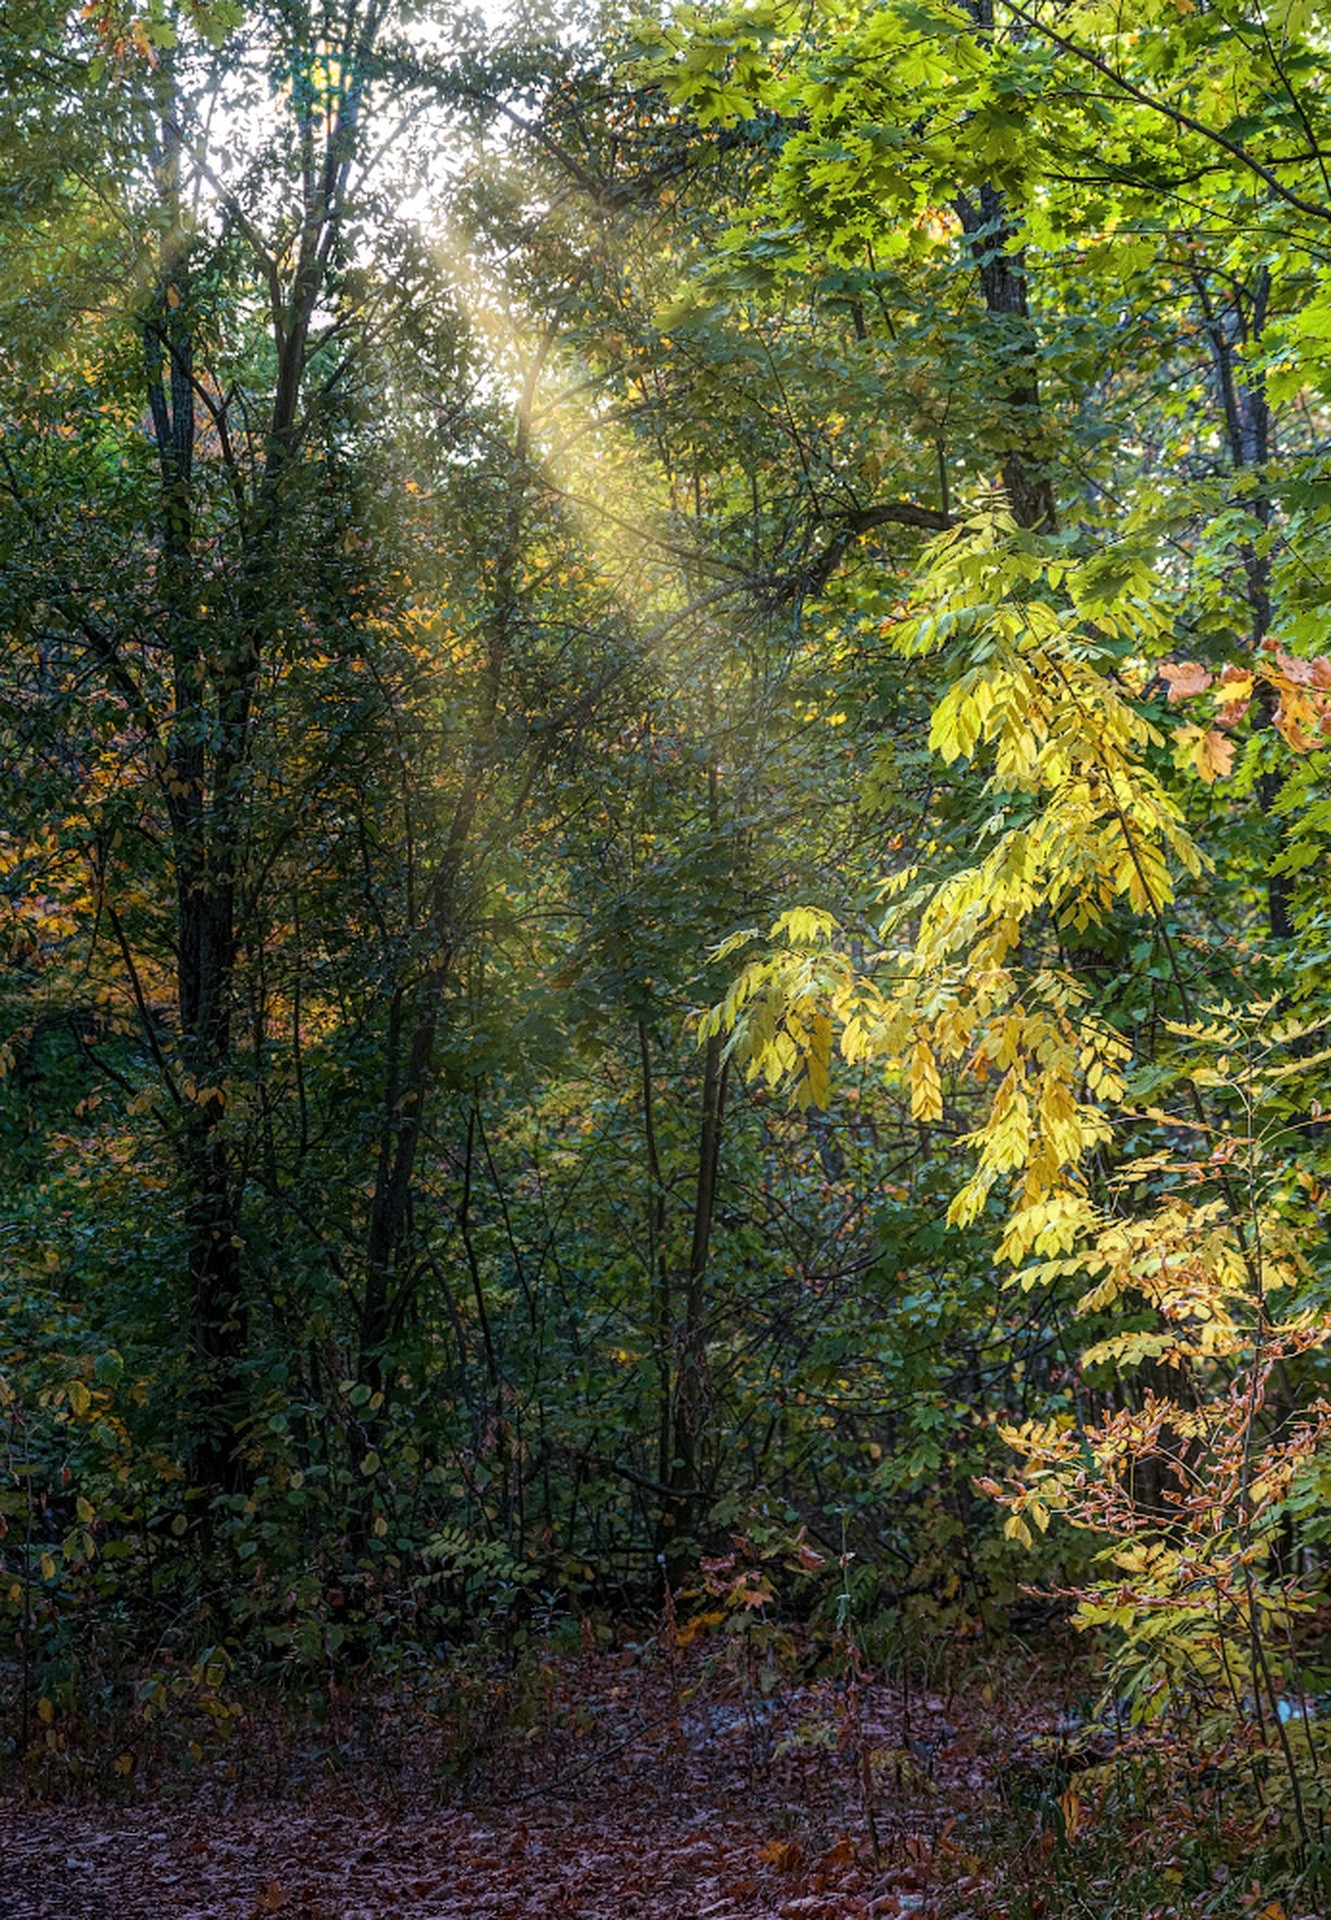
x,y
693,555
1174,114
136,986
238,214
861,520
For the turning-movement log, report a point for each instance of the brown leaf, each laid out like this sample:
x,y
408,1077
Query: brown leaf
x,y
1299,672
1185,679
839,1853
272,1900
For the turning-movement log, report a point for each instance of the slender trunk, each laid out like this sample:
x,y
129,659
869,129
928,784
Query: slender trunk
x,y
987,222
658,1262
1247,416
204,870
409,1074
410,1070
691,1388
1002,274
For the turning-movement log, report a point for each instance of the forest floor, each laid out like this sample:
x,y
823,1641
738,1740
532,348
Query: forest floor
x,y
646,1790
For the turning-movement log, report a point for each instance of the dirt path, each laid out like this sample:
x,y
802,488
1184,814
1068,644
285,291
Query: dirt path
x,y
648,1803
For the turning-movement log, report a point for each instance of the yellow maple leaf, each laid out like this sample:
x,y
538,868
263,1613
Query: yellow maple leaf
x,y
1205,750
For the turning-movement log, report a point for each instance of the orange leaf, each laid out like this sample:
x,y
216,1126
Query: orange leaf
x,y
785,1854
1237,685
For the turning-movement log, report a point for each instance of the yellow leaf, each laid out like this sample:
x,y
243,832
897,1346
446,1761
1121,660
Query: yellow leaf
x,y
1215,756
1015,1528
1070,1805
926,1094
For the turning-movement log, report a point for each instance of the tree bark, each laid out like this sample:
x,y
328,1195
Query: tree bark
x,y
1002,274
1247,418
990,231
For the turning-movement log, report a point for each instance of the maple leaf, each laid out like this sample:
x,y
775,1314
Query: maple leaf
x,y
1209,752
1215,756
1292,719
1185,679
1300,672
1237,685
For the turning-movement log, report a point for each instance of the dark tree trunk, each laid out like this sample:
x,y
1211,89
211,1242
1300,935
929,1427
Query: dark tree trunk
x,y
986,222
204,870
1231,328
1002,275
691,1382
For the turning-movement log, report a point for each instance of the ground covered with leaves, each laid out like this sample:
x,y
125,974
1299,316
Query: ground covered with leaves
x,y
649,1789
645,1789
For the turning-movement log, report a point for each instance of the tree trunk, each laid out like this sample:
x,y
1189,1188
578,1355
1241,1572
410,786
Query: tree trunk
x,y
204,870
691,1384
1247,417
1002,274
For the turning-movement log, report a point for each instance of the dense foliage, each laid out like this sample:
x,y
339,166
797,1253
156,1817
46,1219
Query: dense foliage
x,y
663,844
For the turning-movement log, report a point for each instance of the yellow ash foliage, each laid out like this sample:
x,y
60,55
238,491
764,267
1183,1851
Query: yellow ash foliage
x,y
1079,829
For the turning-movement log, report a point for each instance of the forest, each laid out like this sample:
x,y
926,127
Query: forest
x,y
665,1001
